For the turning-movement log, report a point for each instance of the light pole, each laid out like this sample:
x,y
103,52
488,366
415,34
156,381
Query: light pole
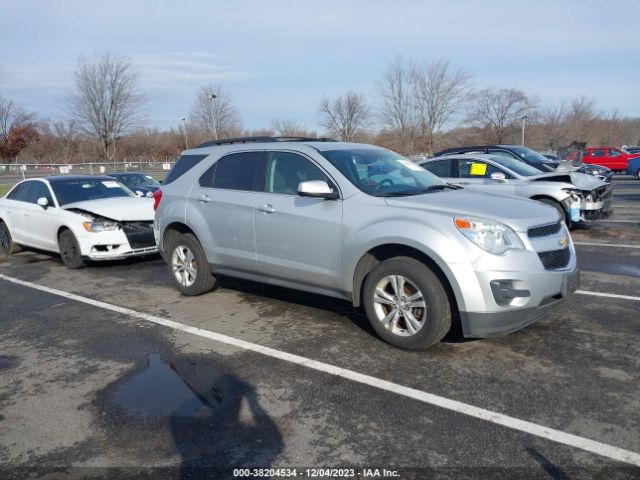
x,y
212,97
184,129
524,120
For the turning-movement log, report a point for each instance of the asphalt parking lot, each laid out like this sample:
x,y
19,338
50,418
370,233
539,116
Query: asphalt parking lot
x,y
109,371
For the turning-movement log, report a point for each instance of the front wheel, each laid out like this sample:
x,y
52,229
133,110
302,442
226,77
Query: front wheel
x,y
70,250
188,265
7,246
638,174
406,303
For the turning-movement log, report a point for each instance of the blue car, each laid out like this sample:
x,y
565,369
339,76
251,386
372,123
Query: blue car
x,y
633,168
141,184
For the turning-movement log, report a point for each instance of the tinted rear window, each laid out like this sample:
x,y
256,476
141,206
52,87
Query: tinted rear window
x,y
441,168
183,165
239,171
21,192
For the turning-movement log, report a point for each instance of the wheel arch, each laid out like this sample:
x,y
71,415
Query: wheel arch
x,y
173,229
378,254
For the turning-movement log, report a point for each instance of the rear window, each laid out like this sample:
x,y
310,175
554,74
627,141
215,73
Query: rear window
x,y
239,171
182,166
440,168
21,192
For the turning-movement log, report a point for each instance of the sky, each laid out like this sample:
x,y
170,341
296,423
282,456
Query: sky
x,y
278,58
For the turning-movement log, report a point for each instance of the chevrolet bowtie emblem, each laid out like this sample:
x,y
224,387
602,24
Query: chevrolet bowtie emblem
x,y
564,241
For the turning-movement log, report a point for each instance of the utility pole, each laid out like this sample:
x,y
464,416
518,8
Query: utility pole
x,y
184,129
524,120
212,97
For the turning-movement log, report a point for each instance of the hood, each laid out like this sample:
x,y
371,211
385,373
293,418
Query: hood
x,y
566,166
581,181
119,209
516,212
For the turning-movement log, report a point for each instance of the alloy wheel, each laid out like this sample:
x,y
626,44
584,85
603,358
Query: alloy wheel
x,y
183,264
399,305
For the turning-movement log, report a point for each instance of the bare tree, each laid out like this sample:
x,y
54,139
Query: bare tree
x,y
106,101
12,116
345,116
497,111
397,107
214,112
553,120
581,116
287,127
439,93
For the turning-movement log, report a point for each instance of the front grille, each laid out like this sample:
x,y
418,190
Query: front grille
x,y
544,230
555,259
139,234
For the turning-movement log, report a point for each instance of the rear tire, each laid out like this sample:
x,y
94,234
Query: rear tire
x,y
188,265
70,250
638,174
406,303
7,246
563,215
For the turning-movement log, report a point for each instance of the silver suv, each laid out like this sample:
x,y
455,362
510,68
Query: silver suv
x,y
362,223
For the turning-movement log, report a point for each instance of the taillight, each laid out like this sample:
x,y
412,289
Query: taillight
x,y
157,196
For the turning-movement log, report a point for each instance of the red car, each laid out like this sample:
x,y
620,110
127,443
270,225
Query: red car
x,y
613,157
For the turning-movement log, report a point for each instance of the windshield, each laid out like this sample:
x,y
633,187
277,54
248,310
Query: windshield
x,y
72,191
530,155
382,173
516,166
133,180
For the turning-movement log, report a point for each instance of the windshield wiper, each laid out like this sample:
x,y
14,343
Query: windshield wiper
x,y
432,188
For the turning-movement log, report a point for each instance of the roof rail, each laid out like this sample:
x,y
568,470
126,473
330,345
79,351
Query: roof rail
x,y
228,141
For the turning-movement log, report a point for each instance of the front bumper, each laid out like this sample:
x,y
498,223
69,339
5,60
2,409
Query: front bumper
x,y
116,244
487,324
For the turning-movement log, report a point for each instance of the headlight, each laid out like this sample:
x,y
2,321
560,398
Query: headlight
x,y
494,237
96,227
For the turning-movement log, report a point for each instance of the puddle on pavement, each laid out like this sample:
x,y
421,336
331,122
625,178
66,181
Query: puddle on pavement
x,y
180,388
7,362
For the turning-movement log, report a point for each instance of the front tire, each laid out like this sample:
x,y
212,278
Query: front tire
x,y
7,246
406,303
188,265
70,250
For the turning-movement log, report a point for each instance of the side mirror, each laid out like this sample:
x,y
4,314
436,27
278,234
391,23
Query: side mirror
x,y
499,177
43,202
139,193
317,189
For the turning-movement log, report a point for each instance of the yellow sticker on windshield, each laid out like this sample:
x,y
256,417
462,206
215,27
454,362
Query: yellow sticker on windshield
x,y
478,169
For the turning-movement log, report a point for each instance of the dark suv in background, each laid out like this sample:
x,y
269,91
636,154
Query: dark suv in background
x,y
531,157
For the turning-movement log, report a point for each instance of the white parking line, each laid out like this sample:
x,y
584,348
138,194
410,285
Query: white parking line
x,y
618,245
558,436
608,295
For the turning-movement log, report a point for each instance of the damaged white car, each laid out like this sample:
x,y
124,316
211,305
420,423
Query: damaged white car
x,y
83,218
577,196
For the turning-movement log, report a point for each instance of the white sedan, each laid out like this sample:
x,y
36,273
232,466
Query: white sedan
x,y
80,217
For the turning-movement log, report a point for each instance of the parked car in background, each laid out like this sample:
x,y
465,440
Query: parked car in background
x,y
614,158
80,217
141,184
633,167
632,150
362,223
533,158
578,197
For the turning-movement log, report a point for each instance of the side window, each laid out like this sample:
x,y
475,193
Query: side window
x,y
182,166
286,170
39,190
476,169
440,168
614,153
237,171
597,152
21,192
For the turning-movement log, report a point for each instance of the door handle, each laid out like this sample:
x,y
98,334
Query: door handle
x,y
267,209
204,198
26,214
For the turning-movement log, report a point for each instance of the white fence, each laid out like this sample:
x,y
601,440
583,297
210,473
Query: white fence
x,y
15,172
